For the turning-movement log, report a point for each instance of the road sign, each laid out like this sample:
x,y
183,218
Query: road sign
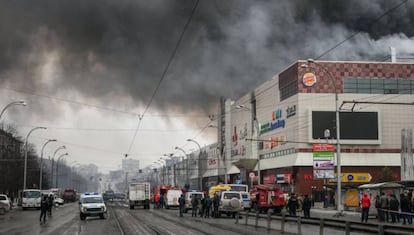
x,y
251,174
358,177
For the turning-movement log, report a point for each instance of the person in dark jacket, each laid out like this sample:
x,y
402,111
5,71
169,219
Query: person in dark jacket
x,y
194,204
181,203
394,206
292,204
406,206
207,202
216,203
307,204
50,204
43,209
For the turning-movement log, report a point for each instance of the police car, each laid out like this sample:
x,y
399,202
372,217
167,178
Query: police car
x,y
92,204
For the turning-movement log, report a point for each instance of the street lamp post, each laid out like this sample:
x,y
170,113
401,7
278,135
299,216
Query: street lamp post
x,y
25,154
337,124
53,160
163,170
186,164
199,163
174,170
72,168
57,168
20,102
41,162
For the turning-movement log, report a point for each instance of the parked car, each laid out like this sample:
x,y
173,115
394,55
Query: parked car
x,y
58,201
4,199
3,208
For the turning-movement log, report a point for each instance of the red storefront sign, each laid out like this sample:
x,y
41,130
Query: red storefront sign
x,y
323,148
269,179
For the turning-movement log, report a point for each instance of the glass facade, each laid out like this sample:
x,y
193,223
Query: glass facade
x,y
378,86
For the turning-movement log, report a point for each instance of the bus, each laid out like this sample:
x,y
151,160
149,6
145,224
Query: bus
x,y
31,198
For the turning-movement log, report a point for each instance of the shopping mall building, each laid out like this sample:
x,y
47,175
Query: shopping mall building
x,y
280,121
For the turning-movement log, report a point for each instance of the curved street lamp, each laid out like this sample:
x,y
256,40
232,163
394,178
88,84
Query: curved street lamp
x,y
41,162
57,168
25,153
338,145
199,163
20,102
53,161
186,163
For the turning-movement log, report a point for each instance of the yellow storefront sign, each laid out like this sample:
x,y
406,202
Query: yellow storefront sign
x,y
359,177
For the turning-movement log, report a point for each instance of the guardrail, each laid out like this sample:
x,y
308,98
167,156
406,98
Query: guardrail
x,y
347,226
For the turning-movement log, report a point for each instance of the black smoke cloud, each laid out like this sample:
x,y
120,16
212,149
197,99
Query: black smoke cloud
x,y
106,50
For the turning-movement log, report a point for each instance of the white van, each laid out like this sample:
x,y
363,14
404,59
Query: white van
x,y
31,198
171,198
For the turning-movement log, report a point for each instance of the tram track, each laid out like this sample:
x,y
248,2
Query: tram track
x,y
161,222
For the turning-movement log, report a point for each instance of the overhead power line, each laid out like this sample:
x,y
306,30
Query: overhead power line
x,y
164,73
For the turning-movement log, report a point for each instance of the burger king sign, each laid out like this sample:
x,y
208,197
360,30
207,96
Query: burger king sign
x,y
309,79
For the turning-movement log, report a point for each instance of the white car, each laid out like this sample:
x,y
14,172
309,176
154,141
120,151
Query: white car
x,y
92,204
58,201
5,200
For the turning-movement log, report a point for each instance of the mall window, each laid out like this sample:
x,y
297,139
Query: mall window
x,y
378,86
290,90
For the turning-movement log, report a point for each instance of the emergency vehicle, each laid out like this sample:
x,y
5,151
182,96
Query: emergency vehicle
x,y
264,197
92,204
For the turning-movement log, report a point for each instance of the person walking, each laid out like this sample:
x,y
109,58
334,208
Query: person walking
x,y
161,204
202,206
394,206
207,206
181,203
378,206
194,205
50,204
292,205
43,209
406,207
365,204
307,204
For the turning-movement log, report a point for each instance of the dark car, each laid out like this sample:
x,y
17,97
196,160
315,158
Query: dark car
x,y
108,195
69,195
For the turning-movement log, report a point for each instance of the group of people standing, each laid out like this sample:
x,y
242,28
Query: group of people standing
x,y
294,203
158,201
390,208
204,206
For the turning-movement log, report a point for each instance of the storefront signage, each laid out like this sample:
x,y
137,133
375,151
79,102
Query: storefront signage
x,y
358,177
212,162
284,178
323,161
309,79
272,126
269,179
290,111
274,142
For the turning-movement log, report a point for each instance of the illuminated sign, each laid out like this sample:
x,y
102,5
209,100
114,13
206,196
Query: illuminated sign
x,y
309,79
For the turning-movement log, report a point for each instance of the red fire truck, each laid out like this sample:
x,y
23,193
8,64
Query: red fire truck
x,y
264,197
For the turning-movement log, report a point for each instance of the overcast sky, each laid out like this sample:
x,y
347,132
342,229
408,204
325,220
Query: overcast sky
x,y
89,69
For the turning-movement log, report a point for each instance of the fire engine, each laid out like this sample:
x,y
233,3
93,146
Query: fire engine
x,y
264,197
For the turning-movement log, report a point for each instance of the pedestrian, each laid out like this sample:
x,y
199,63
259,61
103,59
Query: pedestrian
x,y
384,207
394,206
161,203
365,204
216,203
50,204
157,200
194,205
207,206
43,209
202,206
292,205
307,204
181,203
406,207
378,206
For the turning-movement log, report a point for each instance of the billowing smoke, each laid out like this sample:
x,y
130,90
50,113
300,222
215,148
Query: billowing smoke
x,y
113,53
